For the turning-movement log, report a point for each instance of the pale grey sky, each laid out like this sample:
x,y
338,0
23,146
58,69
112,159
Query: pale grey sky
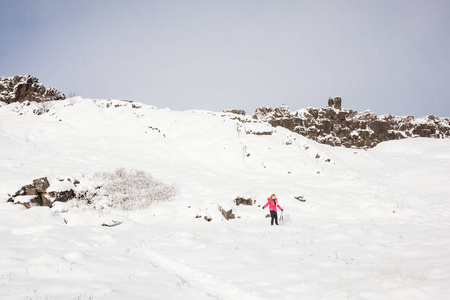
x,y
386,56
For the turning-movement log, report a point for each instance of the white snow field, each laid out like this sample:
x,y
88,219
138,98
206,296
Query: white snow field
x,y
375,224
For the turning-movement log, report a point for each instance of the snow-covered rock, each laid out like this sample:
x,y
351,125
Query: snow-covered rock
x,y
374,226
340,127
26,88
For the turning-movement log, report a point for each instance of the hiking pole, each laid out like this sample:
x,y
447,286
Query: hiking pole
x,y
281,216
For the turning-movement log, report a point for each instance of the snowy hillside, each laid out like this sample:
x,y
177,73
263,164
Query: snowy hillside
x,y
375,223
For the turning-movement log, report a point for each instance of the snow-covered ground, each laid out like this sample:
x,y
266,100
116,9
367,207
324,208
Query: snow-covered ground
x,y
375,224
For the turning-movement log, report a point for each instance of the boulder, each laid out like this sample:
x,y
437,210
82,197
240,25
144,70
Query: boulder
x,y
335,103
325,126
331,113
288,123
379,126
338,103
243,201
227,214
342,115
312,133
41,184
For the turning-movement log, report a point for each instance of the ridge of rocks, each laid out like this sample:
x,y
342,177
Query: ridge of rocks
x,y
340,127
26,88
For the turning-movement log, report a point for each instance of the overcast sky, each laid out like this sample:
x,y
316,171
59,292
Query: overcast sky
x,y
386,56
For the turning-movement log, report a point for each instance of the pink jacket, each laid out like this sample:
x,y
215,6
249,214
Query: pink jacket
x,y
272,204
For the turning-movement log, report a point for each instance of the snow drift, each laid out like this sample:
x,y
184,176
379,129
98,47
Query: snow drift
x,y
372,224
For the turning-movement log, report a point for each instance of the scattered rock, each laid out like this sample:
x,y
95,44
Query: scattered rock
x,y
208,219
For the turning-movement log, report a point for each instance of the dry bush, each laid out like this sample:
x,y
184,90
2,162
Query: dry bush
x,y
125,190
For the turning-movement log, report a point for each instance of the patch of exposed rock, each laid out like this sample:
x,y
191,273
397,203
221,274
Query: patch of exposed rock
x,y
26,88
340,127
227,214
243,201
39,193
235,111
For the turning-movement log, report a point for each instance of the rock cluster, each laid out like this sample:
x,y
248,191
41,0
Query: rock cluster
x,y
243,201
37,194
23,88
340,127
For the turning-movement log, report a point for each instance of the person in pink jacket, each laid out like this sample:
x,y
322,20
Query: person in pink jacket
x,y
272,202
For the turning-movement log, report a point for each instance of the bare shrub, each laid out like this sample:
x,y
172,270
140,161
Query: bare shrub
x,y
125,190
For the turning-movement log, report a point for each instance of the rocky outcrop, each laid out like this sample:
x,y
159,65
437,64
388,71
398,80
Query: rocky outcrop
x,y
340,127
37,194
26,88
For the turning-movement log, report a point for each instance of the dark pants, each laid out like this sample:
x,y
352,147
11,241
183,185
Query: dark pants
x,y
273,215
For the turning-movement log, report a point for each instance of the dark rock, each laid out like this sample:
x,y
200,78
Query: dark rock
x,y
330,102
235,111
44,201
312,132
325,126
330,113
227,214
26,88
300,198
335,103
288,123
379,127
41,184
338,102
41,197
348,128
243,201
259,132
364,134
112,224
342,115
62,196
27,190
